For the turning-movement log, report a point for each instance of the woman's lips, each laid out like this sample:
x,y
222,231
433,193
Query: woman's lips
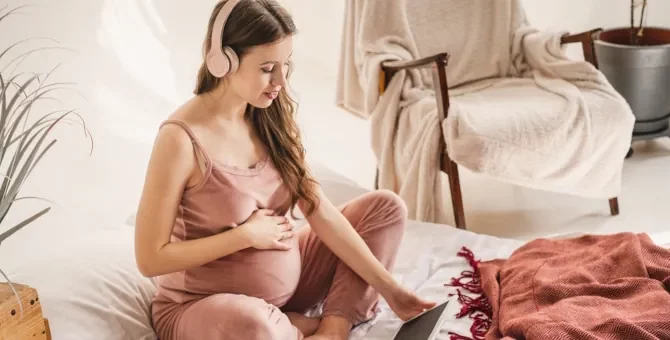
x,y
271,95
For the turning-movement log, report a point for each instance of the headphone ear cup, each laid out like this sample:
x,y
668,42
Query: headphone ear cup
x,y
218,64
234,62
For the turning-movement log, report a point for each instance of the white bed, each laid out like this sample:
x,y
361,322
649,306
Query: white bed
x,y
90,289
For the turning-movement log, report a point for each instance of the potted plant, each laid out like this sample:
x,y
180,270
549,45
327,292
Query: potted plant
x,y
24,133
636,61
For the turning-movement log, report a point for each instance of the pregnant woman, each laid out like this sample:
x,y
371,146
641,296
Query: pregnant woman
x,y
226,170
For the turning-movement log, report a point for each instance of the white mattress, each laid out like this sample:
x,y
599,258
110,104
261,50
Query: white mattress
x,y
426,262
90,288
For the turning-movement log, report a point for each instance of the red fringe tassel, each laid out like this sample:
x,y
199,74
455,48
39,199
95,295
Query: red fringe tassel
x,y
478,309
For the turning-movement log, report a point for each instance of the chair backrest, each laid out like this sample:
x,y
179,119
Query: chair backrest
x,y
477,34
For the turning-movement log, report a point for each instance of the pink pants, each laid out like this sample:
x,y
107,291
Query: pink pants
x,y
379,217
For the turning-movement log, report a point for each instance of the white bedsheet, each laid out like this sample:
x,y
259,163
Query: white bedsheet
x,y
90,288
426,262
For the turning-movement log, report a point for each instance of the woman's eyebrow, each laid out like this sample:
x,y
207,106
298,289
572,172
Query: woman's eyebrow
x,y
274,61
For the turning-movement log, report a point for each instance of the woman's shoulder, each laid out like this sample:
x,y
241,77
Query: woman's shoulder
x,y
176,130
172,152
186,112
188,116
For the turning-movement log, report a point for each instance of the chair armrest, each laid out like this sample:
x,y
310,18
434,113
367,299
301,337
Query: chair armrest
x,y
586,39
580,37
397,65
439,61
389,68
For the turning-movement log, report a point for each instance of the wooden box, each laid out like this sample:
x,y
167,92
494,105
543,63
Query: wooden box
x,y
33,326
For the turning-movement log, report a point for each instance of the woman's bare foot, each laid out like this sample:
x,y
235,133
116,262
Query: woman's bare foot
x,y
305,324
332,328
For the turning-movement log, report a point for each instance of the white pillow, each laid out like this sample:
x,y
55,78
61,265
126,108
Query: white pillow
x,y
89,285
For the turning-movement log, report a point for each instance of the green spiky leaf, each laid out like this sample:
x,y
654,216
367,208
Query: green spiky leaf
x,y
26,133
5,235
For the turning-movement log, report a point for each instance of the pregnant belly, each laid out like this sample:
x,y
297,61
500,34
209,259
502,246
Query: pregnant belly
x,y
271,275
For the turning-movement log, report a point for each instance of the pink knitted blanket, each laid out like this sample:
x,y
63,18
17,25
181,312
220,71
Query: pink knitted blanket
x,y
590,287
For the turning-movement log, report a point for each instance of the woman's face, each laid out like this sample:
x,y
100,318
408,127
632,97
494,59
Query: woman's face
x,y
262,72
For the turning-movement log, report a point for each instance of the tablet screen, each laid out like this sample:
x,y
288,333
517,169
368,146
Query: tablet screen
x,y
424,326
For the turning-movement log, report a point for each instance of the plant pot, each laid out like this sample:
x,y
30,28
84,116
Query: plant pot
x,y
640,73
17,325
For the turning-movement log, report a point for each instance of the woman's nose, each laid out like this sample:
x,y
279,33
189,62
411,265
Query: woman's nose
x,y
279,80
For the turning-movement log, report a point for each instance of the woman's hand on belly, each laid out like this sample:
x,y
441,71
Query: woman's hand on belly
x,y
265,231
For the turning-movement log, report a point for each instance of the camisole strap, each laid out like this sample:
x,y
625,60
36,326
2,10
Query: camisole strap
x,y
194,140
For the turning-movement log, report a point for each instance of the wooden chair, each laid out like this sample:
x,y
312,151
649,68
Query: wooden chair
x,y
439,62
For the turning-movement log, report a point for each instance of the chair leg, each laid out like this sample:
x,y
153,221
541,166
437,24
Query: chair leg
x,y
614,206
456,197
377,179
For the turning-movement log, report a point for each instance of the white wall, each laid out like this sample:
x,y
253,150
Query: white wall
x,y
582,15
577,15
135,61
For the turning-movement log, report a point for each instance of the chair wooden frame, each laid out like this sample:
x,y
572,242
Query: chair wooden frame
x,y
440,61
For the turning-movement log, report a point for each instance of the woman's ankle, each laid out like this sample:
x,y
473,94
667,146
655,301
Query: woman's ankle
x,y
335,325
307,325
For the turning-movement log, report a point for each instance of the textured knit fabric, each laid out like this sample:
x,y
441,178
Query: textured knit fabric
x,y
521,111
591,287
244,295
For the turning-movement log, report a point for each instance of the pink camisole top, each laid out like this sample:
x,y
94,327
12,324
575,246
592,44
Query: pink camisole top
x,y
224,199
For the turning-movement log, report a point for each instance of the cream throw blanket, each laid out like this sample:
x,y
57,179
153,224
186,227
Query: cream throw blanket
x,y
521,110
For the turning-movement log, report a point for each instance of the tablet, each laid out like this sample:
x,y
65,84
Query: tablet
x,y
424,326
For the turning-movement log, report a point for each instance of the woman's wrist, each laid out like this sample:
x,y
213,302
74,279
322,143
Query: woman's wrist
x,y
240,237
385,283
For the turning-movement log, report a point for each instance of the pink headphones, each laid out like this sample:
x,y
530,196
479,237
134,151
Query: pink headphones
x,y
222,61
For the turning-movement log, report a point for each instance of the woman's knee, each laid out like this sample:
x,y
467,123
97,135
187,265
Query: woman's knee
x,y
236,317
390,203
258,320
254,323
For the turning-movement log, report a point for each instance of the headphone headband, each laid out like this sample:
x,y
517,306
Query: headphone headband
x,y
221,60
219,23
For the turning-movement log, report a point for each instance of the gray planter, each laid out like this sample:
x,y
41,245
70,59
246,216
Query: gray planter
x,y
641,74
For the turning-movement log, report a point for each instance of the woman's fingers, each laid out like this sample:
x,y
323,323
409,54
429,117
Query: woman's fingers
x,y
281,246
286,235
280,219
285,227
283,236
283,222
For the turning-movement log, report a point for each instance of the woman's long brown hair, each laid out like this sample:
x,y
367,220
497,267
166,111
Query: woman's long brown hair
x,y
259,22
